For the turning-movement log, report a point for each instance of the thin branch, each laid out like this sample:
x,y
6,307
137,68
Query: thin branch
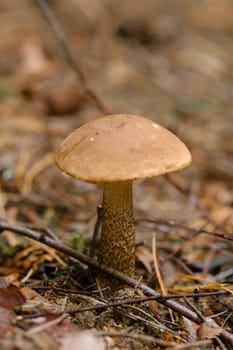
x,y
220,344
191,345
44,326
193,199
142,337
160,222
61,37
156,267
96,231
196,202
158,272
193,307
121,302
138,300
180,309
65,290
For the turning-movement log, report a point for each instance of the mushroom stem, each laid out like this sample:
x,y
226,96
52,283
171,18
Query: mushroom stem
x,y
117,243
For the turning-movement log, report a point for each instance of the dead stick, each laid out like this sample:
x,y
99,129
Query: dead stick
x,y
180,309
96,231
159,222
138,300
99,307
60,35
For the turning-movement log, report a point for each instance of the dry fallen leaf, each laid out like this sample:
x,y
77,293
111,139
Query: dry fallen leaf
x,y
10,296
144,255
206,331
21,341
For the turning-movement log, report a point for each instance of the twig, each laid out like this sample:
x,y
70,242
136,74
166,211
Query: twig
x,y
160,222
105,306
46,325
142,337
199,314
158,273
64,290
123,302
181,309
61,37
191,345
44,229
193,307
220,344
96,231
140,316
35,169
192,198
197,295
156,267
28,275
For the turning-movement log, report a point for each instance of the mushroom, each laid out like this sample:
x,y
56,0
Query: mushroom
x,y
115,150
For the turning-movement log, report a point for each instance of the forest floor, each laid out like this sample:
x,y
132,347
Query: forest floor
x,y
170,61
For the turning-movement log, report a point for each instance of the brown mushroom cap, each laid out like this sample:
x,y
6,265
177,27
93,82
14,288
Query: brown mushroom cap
x,y
121,147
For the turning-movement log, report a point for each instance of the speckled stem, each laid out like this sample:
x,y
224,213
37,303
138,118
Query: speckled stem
x,y
117,243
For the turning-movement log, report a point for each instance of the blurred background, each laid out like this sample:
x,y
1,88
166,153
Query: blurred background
x,y
168,60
